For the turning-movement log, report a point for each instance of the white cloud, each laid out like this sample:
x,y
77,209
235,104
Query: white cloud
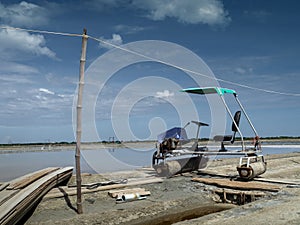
x,y
45,98
23,14
13,67
109,43
14,79
209,12
27,105
13,41
16,42
164,94
241,70
46,91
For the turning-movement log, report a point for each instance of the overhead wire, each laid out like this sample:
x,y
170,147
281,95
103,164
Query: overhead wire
x,y
194,72
41,31
152,59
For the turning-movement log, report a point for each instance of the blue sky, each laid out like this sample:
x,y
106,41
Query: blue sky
x,y
253,43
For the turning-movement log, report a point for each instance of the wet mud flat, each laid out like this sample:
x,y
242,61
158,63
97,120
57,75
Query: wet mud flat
x,y
180,200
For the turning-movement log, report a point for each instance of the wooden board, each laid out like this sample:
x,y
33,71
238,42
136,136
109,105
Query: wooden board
x,y
230,191
250,185
4,186
14,208
65,191
6,194
213,173
27,179
277,181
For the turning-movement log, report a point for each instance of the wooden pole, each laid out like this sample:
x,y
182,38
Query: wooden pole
x,y
78,127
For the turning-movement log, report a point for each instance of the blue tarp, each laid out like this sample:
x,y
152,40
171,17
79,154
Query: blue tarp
x,y
175,132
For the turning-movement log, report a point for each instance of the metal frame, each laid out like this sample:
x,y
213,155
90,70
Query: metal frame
x,y
246,154
221,92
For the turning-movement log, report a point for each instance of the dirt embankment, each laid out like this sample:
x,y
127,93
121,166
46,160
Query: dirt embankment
x,y
181,201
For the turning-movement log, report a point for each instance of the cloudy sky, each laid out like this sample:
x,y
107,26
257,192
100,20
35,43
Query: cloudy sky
x,y
245,43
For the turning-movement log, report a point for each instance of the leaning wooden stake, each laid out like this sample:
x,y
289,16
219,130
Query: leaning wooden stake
x,y
78,127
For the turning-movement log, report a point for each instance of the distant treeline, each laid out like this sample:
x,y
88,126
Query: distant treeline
x,y
264,138
57,143
281,137
39,143
119,142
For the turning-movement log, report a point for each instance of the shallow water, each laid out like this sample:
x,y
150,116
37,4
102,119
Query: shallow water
x,y
16,164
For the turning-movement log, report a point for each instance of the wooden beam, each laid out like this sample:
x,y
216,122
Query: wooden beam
x,y
79,120
250,185
65,191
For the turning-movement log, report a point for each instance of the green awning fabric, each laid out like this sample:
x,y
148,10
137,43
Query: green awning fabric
x,y
209,90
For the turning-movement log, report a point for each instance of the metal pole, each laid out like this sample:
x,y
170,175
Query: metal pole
x,y
78,128
232,118
247,117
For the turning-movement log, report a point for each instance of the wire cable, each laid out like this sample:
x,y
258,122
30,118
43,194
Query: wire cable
x,y
41,31
152,59
194,72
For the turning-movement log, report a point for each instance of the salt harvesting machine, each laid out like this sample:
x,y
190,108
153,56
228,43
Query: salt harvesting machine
x,y
175,154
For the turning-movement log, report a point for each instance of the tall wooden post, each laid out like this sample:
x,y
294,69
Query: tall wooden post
x,y
78,126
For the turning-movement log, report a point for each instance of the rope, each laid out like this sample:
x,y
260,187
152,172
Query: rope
x,y
42,31
153,59
194,72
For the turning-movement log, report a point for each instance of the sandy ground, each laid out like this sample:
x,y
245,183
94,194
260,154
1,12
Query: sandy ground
x,y
277,208
181,201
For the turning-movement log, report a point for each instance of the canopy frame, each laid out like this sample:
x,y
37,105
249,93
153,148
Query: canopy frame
x,y
221,92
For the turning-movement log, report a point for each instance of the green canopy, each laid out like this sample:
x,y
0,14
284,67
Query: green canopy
x,y
209,90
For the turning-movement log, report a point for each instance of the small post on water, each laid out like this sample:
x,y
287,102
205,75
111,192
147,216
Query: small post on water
x,y
78,126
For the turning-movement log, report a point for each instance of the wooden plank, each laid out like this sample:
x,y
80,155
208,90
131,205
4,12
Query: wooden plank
x,y
102,183
65,191
252,185
213,173
27,179
6,194
230,191
12,210
140,191
276,181
4,186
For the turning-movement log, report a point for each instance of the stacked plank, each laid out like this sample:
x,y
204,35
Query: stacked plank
x,y
20,195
